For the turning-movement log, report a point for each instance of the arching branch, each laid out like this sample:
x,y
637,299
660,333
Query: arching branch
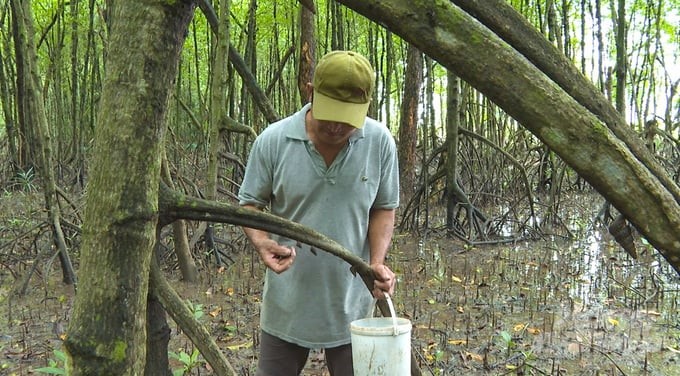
x,y
174,205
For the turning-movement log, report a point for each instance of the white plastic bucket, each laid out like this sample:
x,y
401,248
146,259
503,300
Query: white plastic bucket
x,y
381,346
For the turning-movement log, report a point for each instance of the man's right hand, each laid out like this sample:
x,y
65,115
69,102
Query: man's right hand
x,y
275,256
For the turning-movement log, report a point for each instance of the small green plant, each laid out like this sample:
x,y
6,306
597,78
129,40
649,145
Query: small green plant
x,y
438,355
17,222
231,329
189,362
24,179
529,356
57,366
196,309
506,339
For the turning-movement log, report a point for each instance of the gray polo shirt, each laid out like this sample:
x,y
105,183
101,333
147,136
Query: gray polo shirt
x,y
313,303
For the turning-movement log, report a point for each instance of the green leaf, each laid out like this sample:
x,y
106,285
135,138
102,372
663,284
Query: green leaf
x,y
184,358
60,355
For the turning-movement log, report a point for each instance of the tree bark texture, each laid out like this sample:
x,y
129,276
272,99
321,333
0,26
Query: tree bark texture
x,y
107,331
451,143
157,328
186,262
35,118
307,60
218,99
24,140
599,154
408,122
8,117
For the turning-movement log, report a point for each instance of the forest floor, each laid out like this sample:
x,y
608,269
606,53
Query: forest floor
x,y
557,307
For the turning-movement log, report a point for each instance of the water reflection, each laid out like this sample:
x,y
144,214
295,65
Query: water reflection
x,y
588,266
561,303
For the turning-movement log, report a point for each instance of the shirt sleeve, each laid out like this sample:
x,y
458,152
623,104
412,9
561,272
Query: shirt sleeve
x,y
256,188
388,191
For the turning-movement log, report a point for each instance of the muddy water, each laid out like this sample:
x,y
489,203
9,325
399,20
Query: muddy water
x,y
556,307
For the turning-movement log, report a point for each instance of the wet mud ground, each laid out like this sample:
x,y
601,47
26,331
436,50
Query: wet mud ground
x,y
580,307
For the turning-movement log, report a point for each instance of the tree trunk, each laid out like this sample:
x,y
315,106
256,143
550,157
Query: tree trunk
x,y
452,125
408,123
621,57
389,73
186,262
218,108
8,115
337,21
25,134
181,314
35,118
157,329
107,331
75,119
607,155
307,51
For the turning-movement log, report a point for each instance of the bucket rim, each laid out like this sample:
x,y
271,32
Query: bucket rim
x,y
364,327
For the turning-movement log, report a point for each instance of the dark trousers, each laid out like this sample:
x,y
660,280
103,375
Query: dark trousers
x,y
281,358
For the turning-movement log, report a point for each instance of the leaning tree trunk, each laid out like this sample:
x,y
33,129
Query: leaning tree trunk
x,y
603,153
513,28
107,331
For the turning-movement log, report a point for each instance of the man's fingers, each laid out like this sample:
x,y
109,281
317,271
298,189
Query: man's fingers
x,y
289,253
282,260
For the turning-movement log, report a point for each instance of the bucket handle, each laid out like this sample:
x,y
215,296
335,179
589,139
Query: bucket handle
x,y
394,315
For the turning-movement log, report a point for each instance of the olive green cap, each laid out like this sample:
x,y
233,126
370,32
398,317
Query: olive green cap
x,y
343,85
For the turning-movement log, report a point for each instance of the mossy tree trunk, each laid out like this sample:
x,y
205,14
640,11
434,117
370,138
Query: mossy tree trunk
x,y
107,331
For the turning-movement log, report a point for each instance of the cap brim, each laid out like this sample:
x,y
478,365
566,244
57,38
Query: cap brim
x,y
329,109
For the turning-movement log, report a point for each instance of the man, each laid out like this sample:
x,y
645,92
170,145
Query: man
x,y
331,168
